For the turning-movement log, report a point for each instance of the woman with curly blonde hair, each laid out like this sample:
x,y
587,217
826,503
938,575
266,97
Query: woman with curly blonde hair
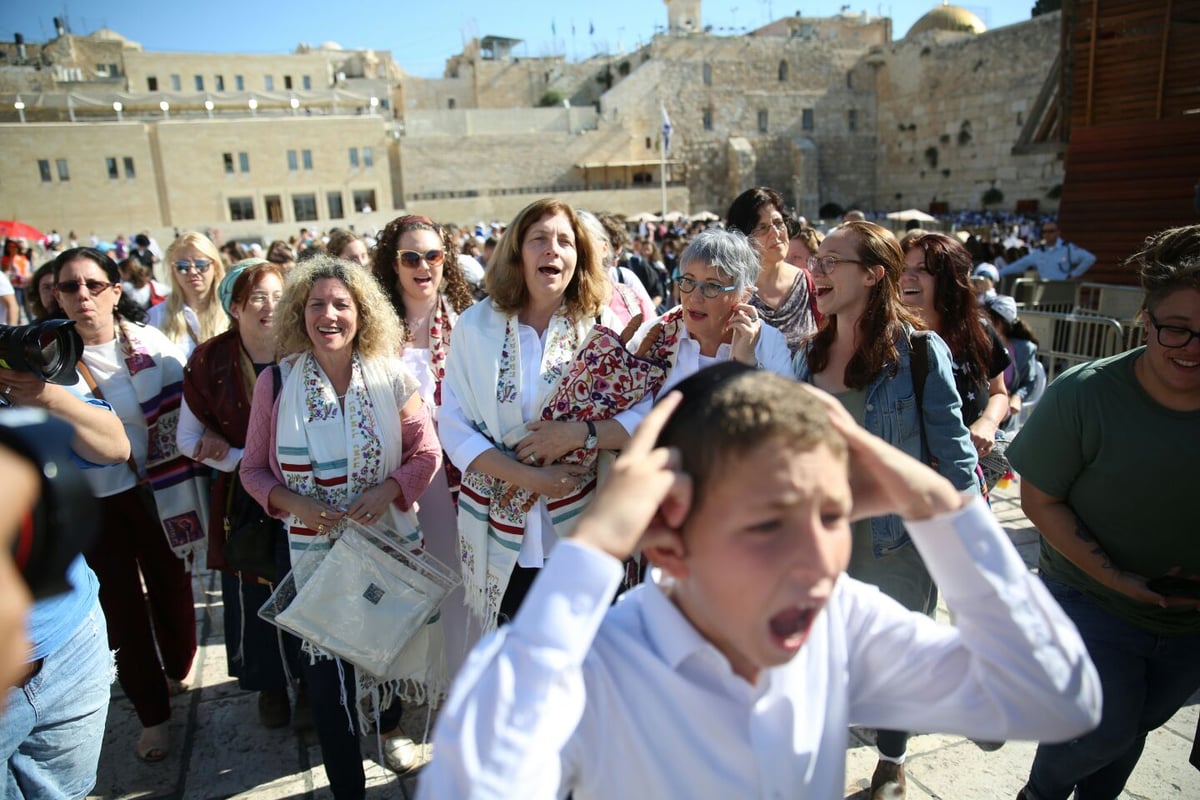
x,y
347,436
537,384
192,312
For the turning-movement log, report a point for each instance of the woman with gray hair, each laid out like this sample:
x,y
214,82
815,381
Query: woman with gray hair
x,y
714,320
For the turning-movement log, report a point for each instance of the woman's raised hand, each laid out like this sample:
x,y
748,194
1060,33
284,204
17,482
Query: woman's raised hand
x,y
746,327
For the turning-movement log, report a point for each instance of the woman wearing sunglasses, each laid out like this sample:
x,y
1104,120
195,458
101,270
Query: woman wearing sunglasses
x,y
538,383
714,320
153,508
193,312
863,356
416,263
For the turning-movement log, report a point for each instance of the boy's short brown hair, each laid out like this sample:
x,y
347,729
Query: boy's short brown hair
x,y
730,409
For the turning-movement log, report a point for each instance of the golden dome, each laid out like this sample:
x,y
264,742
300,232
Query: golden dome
x,y
948,18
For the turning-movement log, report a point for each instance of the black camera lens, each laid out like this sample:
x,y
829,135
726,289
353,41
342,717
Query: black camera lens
x,y
47,349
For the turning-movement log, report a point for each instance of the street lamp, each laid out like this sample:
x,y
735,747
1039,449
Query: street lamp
x,y
119,108
208,106
253,103
20,107
295,104
166,108
374,103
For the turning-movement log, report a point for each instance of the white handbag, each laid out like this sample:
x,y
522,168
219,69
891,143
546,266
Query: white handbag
x,y
369,600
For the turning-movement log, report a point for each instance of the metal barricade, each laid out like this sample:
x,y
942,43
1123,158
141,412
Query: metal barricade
x,y
1070,339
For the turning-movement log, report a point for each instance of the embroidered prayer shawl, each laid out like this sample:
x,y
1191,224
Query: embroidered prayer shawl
x,y
661,342
585,374
444,317
334,456
180,488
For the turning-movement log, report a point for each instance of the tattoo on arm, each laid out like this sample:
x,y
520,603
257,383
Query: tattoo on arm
x,y
1084,535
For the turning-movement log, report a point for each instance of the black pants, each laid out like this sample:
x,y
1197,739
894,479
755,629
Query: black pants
x,y
518,586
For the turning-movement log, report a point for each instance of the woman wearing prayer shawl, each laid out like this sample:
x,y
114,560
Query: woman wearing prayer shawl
x,y
537,384
347,437
714,321
417,264
139,372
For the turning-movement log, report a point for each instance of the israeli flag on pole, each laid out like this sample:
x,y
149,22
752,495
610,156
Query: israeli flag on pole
x,y
666,129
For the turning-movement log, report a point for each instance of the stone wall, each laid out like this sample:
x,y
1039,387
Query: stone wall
x,y
505,208
89,201
951,106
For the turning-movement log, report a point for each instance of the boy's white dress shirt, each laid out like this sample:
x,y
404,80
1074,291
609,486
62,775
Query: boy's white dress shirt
x,y
631,701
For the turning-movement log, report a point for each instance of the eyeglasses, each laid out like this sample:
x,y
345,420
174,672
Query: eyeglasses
x,y
707,288
200,264
413,258
259,299
764,228
1173,335
72,287
824,265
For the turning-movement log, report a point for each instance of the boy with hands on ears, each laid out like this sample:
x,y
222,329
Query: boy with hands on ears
x,y
736,672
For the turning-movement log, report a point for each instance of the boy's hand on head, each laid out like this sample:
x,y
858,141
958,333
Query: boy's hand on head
x,y
645,493
884,479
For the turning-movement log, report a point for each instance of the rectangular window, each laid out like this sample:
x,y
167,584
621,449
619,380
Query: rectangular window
x,y
287,81
151,83
239,83
306,82
306,157
244,162
176,83
269,82
852,119
707,119
219,82
64,174
334,200
111,165
130,172
228,159
354,157
241,208
305,207
368,157
199,81
293,164
762,120
44,170
102,70
274,208
364,201
806,119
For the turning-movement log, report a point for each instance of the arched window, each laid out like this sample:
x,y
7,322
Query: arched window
x,y
783,71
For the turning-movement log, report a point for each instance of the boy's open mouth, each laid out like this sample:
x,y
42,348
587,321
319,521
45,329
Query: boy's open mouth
x,y
790,627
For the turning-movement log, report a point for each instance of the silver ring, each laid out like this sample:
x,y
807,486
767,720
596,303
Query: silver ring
x,y
369,515
324,515
7,391
531,458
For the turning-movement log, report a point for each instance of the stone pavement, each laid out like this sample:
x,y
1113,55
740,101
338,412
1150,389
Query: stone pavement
x,y
220,751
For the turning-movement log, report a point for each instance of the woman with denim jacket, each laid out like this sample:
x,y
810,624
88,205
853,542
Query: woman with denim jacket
x,y
862,355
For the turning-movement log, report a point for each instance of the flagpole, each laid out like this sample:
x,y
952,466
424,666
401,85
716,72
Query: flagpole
x,y
662,156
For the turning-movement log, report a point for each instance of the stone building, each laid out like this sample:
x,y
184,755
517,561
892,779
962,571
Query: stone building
x,y
100,135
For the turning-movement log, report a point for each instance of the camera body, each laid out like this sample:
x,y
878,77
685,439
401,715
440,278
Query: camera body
x,y
64,521
47,349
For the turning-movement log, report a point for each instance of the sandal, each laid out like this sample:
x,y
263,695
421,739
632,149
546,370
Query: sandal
x,y
154,743
400,754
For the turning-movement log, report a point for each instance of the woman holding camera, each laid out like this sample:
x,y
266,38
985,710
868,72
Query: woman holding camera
x,y
139,372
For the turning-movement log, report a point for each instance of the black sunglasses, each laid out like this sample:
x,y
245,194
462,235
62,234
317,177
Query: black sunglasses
x,y
72,287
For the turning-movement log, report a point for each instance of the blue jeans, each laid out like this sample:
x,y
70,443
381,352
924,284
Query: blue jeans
x,y
52,728
1145,679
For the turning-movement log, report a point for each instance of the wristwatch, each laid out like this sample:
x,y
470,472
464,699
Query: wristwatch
x,y
592,440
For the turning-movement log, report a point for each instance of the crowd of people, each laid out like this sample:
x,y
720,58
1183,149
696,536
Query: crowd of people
x,y
777,443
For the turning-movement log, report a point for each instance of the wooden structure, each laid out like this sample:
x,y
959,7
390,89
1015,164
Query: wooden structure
x,y
1129,109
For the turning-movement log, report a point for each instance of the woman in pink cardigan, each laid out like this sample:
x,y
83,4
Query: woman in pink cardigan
x,y
346,436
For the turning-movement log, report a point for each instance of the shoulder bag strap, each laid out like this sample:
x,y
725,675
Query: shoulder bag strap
x,y
90,380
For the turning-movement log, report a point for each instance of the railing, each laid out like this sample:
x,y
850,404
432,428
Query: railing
x,y
1067,339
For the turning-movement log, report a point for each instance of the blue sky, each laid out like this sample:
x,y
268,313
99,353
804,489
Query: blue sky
x,y
422,35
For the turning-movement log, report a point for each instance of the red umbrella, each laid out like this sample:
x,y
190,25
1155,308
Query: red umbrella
x,y
19,230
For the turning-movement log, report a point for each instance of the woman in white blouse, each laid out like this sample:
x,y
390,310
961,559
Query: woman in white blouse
x,y
192,313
